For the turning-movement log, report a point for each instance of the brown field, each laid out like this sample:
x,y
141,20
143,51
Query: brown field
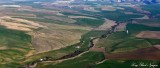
x,y
157,46
121,27
148,24
18,24
151,53
98,49
3,47
81,17
31,9
107,25
46,40
149,34
108,8
62,19
153,24
144,17
56,36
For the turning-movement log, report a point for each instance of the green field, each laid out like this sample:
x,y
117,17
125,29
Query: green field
x,y
119,15
82,61
89,22
122,42
153,8
13,46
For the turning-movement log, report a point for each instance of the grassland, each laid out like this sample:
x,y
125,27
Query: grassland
x,y
153,8
82,61
122,42
14,45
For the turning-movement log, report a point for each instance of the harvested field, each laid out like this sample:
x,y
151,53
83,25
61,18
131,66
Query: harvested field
x,y
98,49
108,8
56,36
149,34
31,9
121,27
128,13
141,10
157,46
81,17
150,53
19,14
18,24
62,19
152,24
68,27
3,47
147,22
46,40
90,9
107,24
145,17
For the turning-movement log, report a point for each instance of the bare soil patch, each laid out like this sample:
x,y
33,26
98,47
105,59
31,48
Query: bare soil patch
x,y
46,40
62,19
3,47
81,17
149,34
157,46
121,27
102,49
152,24
18,24
107,25
144,17
30,53
56,36
150,53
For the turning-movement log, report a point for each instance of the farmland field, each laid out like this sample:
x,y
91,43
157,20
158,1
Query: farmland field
x,y
14,45
83,61
123,39
51,34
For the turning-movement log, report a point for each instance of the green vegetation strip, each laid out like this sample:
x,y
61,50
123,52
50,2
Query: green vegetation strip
x,y
82,61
